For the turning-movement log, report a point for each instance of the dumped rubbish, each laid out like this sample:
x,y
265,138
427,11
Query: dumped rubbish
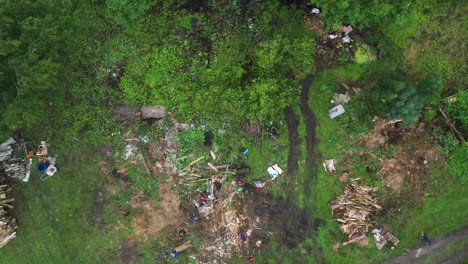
x,y
390,237
184,246
208,138
346,39
332,34
346,29
354,210
8,224
245,151
49,172
336,111
379,239
11,164
329,166
274,171
383,236
259,184
341,98
252,129
272,132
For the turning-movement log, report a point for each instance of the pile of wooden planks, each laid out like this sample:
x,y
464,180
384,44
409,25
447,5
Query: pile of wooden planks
x,y
354,210
8,224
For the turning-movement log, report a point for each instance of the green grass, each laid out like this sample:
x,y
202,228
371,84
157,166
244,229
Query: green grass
x,y
54,215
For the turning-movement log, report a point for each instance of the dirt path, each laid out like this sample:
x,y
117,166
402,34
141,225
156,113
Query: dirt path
x,y
418,255
293,123
310,123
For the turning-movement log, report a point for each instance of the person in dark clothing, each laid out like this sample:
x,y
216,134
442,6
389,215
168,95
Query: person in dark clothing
x,y
425,239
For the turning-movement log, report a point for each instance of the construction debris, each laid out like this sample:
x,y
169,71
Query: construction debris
x,y
8,224
336,111
341,98
329,166
354,210
10,164
383,236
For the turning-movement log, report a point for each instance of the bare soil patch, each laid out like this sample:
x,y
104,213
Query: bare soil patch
x,y
154,220
412,152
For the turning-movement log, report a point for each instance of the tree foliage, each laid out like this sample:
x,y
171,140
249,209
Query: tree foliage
x,y
397,98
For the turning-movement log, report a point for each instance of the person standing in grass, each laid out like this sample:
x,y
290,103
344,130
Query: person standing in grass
x,y
425,239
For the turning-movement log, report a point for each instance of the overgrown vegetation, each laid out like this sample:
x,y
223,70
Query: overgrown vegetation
x,y
64,67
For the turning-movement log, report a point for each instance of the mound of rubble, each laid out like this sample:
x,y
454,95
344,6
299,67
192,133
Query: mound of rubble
x,y
354,209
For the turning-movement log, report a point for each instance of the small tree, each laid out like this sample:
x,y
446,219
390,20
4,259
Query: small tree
x,y
397,98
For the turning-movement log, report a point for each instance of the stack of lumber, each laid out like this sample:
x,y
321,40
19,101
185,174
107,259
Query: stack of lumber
x,y
7,223
354,210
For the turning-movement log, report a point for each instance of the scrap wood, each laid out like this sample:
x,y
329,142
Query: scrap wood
x,y
354,210
8,224
184,157
218,159
184,246
193,162
212,167
452,126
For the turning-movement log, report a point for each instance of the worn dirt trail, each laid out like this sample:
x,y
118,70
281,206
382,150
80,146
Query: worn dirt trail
x,y
310,123
301,224
418,255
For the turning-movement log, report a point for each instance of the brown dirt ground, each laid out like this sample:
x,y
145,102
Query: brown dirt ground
x,y
152,221
413,153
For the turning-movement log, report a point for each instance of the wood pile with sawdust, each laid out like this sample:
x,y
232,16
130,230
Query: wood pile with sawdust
x,y
354,209
8,224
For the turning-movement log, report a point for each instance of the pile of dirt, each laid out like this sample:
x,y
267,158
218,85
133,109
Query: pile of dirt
x,y
413,151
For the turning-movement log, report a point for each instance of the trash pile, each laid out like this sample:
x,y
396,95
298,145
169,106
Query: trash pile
x,y
10,164
8,224
354,210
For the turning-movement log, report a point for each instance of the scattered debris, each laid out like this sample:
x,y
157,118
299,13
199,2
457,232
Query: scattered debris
x,y
383,236
49,172
341,98
252,129
346,29
336,111
274,171
8,224
11,165
379,239
208,138
354,210
184,246
259,184
329,166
